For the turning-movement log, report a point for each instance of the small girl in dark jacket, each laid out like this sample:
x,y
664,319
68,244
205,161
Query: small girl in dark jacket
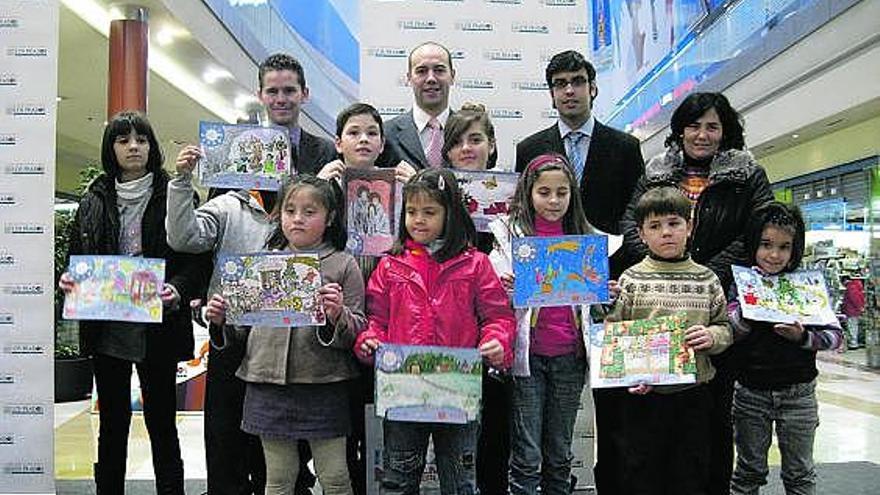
x,y
777,374
123,213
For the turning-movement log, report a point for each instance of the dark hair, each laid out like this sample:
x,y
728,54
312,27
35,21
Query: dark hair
x,y
358,109
522,211
782,216
568,61
409,65
335,234
458,229
458,124
279,62
664,200
122,124
694,106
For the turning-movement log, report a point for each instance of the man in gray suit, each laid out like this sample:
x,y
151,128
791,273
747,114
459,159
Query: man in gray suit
x,y
416,137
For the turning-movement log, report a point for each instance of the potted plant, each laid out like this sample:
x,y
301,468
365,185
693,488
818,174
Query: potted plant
x,y
73,372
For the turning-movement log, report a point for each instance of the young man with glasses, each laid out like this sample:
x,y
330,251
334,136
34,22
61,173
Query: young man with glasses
x,y
608,163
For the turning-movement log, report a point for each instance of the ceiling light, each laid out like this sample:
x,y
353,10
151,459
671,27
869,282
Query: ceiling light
x,y
795,136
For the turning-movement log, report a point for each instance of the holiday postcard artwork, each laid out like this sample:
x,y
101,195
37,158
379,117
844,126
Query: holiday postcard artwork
x,y
115,288
652,351
486,194
428,383
243,156
272,289
560,271
785,298
371,210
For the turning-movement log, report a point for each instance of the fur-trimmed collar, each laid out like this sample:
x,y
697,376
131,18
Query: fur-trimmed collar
x,y
731,165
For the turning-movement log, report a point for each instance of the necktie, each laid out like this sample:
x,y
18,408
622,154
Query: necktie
x,y
575,152
435,144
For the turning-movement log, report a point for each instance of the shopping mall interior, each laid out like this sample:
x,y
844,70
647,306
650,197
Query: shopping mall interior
x,y
802,73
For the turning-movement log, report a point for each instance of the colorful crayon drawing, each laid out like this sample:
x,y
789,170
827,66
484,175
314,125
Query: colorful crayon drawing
x,y
371,210
560,271
486,194
115,288
428,384
243,156
653,352
798,296
272,289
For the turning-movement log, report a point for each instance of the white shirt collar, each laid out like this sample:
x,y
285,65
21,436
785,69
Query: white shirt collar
x,y
421,118
587,128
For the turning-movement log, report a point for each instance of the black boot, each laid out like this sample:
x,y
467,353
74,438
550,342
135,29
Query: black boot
x,y
169,478
109,480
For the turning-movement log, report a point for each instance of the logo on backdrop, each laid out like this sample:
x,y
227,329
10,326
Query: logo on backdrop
x,y
477,84
7,199
559,3
26,109
8,79
24,168
577,28
25,349
530,27
506,113
6,258
24,410
474,26
550,113
388,52
8,22
391,111
27,51
24,228
457,54
529,85
7,319
417,25
7,439
31,289
507,2
8,139
503,55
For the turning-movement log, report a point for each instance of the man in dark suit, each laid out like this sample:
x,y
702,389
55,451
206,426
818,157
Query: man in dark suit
x,y
416,137
608,163
283,91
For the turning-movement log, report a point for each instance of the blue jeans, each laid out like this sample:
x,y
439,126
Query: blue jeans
x,y
795,412
406,444
545,405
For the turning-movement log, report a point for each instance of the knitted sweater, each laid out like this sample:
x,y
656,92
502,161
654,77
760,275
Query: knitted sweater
x,y
656,287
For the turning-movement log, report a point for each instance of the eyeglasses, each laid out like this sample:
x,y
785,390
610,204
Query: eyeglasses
x,y
576,82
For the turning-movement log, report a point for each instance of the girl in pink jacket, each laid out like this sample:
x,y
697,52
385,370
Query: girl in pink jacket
x,y
435,288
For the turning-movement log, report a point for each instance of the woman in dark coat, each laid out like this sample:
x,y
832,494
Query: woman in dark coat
x,y
705,159
123,213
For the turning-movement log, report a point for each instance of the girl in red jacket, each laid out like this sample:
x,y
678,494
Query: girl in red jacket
x,y
435,288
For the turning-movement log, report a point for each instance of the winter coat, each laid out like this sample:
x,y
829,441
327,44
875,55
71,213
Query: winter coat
x,y
311,354
854,298
502,261
95,230
737,186
462,305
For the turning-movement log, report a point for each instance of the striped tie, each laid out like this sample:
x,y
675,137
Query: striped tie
x,y
434,151
575,152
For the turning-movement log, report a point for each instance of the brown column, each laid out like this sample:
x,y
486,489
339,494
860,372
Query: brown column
x,y
129,39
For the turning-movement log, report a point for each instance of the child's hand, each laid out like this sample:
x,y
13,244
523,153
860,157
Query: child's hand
x,y
332,170
169,295
187,159
215,310
640,389
507,281
791,331
493,353
369,346
331,298
404,172
698,338
613,289
66,283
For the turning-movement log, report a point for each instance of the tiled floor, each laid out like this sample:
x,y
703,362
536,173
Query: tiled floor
x,y
849,400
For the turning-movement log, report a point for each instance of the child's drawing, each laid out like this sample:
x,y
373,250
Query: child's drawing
x,y
243,156
272,289
798,296
486,194
653,352
428,383
116,288
371,197
560,271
